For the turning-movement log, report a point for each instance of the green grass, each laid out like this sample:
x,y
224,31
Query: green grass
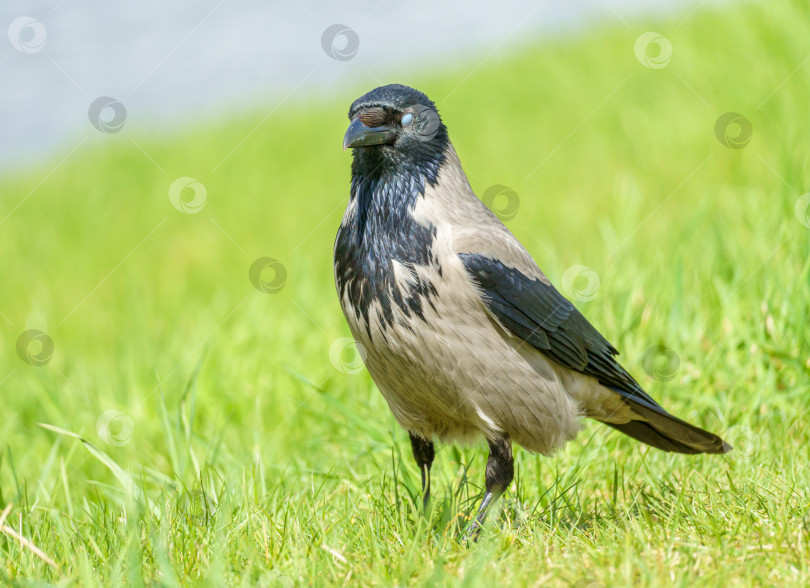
x,y
245,457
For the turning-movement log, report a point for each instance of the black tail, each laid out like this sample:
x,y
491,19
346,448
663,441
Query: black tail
x,y
664,431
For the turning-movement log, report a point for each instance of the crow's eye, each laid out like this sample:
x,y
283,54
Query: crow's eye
x,y
407,118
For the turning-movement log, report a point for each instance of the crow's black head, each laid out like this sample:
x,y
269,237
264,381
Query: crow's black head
x,y
395,128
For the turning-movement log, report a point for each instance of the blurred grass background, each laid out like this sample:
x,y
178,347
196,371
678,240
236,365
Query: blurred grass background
x,y
240,454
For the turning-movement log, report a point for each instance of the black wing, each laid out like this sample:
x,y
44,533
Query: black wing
x,y
537,313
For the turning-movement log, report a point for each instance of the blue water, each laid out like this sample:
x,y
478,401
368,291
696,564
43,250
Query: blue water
x,y
172,63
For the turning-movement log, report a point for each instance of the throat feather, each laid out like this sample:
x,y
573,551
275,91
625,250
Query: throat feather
x,y
380,248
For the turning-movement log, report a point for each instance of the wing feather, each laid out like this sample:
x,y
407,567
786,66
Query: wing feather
x,y
534,311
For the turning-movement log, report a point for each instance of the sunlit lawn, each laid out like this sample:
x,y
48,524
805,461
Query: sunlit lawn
x,y
245,446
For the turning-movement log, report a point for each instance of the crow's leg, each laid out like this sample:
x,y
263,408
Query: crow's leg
x,y
423,453
500,472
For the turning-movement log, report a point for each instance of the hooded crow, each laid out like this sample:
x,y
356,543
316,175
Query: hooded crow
x,y
460,330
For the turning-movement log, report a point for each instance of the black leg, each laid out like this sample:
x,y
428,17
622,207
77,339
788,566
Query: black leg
x,y
500,472
423,453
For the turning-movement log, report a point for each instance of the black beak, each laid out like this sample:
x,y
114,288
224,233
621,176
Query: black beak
x,y
359,135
